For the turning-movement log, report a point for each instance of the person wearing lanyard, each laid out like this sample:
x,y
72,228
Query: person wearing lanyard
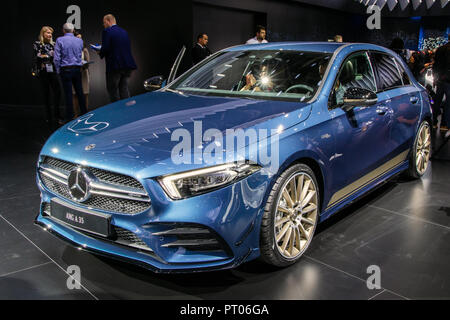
x,y
44,70
68,63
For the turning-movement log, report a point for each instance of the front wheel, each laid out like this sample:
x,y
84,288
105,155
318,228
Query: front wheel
x,y
420,156
291,217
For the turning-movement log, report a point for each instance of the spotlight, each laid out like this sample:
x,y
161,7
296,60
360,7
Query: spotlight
x,y
430,3
416,3
404,4
381,3
392,4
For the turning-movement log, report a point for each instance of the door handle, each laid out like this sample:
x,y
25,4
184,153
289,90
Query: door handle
x,y
414,100
382,110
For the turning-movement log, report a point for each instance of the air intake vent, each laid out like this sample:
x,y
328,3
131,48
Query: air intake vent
x,y
129,239
190,237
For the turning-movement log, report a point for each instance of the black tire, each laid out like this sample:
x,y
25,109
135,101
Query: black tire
x,y
413,172
268,248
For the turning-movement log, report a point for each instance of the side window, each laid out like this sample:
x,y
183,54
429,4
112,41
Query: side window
x,y
356,72
387,71
405,78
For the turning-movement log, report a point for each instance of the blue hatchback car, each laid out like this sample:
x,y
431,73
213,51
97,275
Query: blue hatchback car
x,y
239,158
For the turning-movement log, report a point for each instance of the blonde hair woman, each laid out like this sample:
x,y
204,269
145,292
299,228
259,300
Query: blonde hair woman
x,y
44,70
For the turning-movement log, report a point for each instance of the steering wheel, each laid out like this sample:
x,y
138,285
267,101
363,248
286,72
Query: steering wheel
x,y
301,86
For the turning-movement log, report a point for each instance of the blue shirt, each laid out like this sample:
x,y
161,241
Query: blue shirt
x,y
68,52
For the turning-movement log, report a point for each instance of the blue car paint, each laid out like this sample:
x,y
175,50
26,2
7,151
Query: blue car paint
x,y
137,143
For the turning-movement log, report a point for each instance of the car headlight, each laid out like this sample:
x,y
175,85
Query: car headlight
x,y
193,183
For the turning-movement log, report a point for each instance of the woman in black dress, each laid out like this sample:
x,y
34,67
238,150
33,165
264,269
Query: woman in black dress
x,y
44,69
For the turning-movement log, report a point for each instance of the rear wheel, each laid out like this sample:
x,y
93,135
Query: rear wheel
x,y
420,156
291,216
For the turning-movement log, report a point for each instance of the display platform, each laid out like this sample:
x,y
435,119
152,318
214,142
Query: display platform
x,y
403,228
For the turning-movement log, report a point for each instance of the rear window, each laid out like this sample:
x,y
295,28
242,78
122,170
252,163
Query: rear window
x,y
388,75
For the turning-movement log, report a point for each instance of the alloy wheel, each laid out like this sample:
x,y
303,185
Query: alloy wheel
x,y
296,216
423,149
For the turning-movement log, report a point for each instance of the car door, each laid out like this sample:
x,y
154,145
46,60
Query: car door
x,y
395,89
174,71
360,133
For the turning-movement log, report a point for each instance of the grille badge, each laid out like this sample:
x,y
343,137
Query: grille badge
x,y
79,185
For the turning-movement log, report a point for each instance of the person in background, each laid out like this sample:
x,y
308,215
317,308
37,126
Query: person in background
x,y
68,62
261,34
44,70
398,46
417,65
442,71
116,49
201,51
339,39
85,78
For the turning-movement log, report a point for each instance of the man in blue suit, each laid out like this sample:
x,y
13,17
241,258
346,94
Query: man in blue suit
x,y
116,49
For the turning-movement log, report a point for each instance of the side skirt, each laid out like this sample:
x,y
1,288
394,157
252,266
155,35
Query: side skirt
x,y
364,191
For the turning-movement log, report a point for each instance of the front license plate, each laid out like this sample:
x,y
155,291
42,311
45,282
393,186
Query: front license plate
x,y
84,220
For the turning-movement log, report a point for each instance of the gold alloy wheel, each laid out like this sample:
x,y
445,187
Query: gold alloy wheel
x,y
423,149
296,216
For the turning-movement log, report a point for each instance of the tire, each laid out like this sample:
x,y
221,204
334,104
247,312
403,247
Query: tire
x,y
297,218
419,160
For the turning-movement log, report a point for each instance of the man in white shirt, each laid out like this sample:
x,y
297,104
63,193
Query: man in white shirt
x,y
260,38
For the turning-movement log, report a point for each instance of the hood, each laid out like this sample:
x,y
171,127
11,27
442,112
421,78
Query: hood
x,y
136,134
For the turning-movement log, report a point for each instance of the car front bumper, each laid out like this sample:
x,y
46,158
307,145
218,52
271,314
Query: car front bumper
x,y
224,224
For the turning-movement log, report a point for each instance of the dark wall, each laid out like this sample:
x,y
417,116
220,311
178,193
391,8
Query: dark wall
x,y
157,32
226,27
291,20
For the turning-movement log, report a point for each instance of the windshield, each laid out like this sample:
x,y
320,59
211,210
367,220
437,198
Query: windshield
x,y
258,74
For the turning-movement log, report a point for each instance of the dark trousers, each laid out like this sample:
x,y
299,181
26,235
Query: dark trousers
x,y
72,77
51,88
443,89
117,84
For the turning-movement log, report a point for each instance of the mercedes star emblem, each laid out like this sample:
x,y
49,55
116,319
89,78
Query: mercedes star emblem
x,y
78,184
84,125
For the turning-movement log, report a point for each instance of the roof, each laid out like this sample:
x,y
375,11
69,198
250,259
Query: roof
x,y
327,47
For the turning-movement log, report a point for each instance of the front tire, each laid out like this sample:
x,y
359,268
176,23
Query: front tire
x,y
291,216
420,156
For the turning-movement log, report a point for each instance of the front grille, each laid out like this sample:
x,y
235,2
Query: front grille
x,y
102,175
56,187
128,195
117,205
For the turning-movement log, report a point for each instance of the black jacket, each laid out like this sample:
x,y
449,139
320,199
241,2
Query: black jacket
x,y
200,53
116,49
442,63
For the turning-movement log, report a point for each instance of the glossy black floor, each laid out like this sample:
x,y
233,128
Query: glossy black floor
x,y
404,228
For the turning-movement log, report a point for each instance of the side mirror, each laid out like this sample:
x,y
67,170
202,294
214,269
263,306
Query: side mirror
x,y
358,97
154,83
